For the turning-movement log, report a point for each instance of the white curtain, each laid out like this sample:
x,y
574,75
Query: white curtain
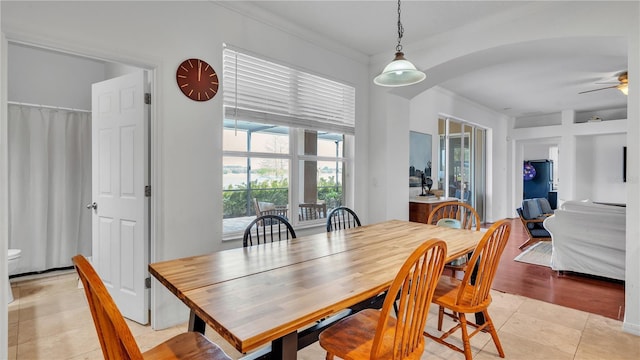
x,y
49,186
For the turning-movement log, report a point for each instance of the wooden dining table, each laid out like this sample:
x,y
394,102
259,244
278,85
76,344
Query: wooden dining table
x,y
284,293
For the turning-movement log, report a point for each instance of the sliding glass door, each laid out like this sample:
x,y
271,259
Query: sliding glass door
x,y
461,162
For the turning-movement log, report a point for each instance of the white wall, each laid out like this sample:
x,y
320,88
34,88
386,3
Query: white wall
x,y
599,168
47,77
187,134
4,199
112,70
536,151
583,181
43,77
538,120
631,322
427,107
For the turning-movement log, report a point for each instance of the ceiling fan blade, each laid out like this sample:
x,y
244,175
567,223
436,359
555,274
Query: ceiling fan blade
x,y
604,88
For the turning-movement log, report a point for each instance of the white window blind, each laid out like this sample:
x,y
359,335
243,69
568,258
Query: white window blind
x,y
262,91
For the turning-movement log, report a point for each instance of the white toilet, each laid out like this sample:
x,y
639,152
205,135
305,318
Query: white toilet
x,y
13,259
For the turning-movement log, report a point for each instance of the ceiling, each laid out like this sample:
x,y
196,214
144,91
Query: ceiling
x,y
528,79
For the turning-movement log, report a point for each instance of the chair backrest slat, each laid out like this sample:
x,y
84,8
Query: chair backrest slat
x,y
413,287
486,257
463,212
342,218
116,339
312,211
267,228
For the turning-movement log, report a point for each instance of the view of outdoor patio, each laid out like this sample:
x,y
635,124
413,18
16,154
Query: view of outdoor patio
x,y
257,173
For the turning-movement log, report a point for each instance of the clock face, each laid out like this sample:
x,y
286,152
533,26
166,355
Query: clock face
x,y
197,80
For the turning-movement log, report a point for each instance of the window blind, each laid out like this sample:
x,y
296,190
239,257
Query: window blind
x,y
262,91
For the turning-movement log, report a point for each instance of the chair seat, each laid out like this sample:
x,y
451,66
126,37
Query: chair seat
x,y
447,292
539,233
534,228
189,345
376,334
345,338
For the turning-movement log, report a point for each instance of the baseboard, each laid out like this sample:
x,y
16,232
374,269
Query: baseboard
x,y
41,274
633,329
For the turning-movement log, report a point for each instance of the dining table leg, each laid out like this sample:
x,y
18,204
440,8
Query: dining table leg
x,y
474,274
286,347
196,323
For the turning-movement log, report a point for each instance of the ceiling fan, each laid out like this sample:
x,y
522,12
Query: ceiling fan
x,y
622,85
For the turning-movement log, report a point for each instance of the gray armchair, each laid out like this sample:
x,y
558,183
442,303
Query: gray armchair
x,y
532,214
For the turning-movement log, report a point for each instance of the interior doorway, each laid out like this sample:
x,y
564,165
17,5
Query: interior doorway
x,y
51,118
68,90
540,170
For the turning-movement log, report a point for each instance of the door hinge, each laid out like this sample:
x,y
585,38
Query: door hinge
x,y
147,283
147,191
147,98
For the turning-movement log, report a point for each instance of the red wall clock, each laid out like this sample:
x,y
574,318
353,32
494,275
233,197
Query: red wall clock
x,y
197,80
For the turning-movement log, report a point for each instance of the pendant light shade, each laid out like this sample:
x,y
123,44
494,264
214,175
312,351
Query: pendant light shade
x,y
399,72
624,88
623,78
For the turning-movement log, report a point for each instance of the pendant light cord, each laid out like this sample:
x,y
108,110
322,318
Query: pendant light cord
x,y
400,30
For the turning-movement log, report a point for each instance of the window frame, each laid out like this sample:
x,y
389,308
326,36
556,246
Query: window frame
x,y
295,180
261,91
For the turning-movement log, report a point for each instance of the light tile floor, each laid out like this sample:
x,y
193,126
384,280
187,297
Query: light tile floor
x,y
50,319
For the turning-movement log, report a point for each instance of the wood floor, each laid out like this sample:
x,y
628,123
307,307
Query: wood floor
x,y
594,295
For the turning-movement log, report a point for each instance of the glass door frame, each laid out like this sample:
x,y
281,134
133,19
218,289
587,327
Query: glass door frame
x,y
462,173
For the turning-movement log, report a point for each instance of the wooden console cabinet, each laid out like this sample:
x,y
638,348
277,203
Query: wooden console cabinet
x,y
419,209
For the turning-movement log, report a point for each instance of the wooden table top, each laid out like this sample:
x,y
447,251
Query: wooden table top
x,y
254,295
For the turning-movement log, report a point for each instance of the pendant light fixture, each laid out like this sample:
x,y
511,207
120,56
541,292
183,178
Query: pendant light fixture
x,y
623,78
624,83
400,71
624,88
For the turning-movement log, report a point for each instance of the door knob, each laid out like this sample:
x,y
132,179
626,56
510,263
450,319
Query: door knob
x,y
93,206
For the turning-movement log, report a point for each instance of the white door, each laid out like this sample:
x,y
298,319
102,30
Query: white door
x,y
120,172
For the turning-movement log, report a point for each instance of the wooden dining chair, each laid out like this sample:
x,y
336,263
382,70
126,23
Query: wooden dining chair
x,y
463,212
267,208
267,228
459,216
377,334
472,293
115,337
311,211
342,218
